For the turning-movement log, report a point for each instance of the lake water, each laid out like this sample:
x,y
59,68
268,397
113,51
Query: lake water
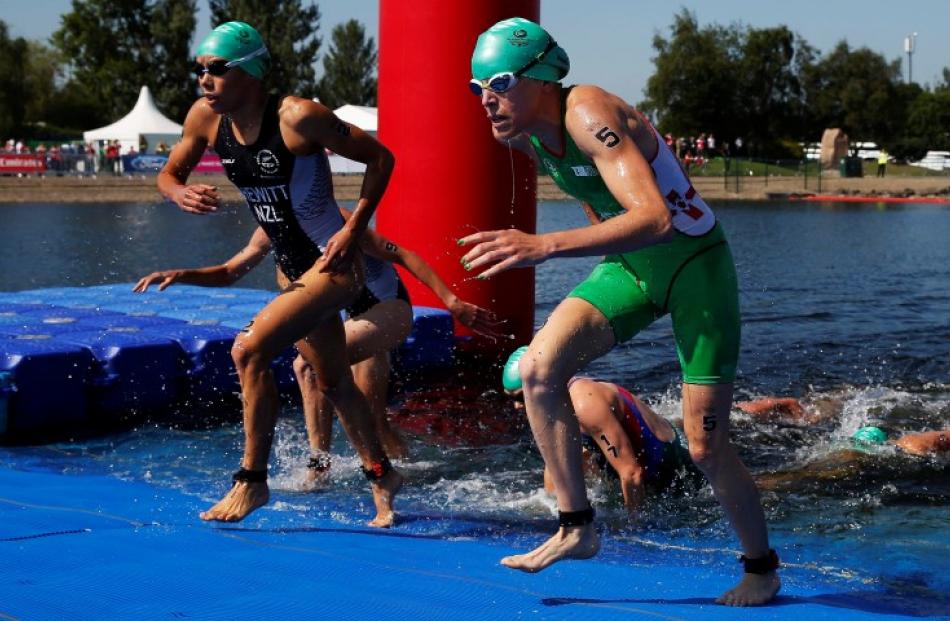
x,y
842,303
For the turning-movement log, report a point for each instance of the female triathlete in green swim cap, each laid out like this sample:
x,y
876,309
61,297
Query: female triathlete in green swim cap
x,y
273,148
665,254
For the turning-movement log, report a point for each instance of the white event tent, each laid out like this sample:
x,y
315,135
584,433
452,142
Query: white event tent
x,y
144,120
364,117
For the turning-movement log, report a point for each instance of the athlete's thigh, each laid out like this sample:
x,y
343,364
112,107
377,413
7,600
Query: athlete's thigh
x,y
302,305
704,305
380,329
324,348
614,290
575,334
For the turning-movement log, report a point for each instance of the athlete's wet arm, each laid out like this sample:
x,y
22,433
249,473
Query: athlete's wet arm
x,y
222,275
319,125
475,317
173,179
601,132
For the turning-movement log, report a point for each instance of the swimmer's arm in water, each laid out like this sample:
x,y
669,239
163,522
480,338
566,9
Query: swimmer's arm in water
x,y
172,181
221,275
925,443
602,130
597,406
308,126
478,319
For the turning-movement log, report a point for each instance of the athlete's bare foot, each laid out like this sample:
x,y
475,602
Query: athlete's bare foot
x,y
242,499
384,492
752,590
570,542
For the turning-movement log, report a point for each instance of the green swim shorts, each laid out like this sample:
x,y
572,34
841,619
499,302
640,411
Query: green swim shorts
x,y
693,279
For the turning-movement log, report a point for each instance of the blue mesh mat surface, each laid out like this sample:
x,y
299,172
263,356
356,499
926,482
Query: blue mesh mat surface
x,y
89,546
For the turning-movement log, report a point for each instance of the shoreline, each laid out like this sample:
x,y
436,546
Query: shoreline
x,y
141,189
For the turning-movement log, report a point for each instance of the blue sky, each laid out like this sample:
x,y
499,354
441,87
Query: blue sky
x,y
609,41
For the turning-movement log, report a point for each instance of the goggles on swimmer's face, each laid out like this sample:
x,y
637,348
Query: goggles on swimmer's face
x,y
219,67
506,80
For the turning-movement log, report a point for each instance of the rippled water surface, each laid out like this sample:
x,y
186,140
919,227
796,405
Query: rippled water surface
x,y
841,304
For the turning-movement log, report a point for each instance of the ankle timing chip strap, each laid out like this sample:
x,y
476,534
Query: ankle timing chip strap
x,y
576,518
319,463
761,565
249,476
377,470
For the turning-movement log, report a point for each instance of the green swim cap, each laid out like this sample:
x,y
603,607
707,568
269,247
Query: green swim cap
x,y
511,375
237,41
513,43
869,436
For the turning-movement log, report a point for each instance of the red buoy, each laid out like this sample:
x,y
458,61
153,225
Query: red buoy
x,y
451,177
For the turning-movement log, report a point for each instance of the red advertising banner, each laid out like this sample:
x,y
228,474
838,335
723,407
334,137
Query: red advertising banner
x,y
13,163
210,163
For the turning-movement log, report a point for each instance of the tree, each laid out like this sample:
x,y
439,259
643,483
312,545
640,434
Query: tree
x,y
117,47
14,90
858,91
290,32
349,68
695,86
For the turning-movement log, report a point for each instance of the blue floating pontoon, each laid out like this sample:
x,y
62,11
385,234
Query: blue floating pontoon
x,y
144,352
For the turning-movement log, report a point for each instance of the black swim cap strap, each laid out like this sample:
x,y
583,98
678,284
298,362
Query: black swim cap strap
x,y
377,470
249,476
762,565
576,518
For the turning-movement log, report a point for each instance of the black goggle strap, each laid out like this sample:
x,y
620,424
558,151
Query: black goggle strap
x,y
762,565
576,518
537,59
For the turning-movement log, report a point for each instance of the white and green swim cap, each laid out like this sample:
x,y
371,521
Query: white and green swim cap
x,y
512,44
240,44
869,436
511,374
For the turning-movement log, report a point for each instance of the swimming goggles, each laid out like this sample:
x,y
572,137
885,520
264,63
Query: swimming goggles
x,y
218,68
506,80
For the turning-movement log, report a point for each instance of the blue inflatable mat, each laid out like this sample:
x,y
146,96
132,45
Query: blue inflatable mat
x,y
167,354
97,547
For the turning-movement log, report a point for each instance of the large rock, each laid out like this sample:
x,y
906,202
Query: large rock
x,y
834,146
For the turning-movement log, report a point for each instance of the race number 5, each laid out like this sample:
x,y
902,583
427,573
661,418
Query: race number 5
x,y
607,137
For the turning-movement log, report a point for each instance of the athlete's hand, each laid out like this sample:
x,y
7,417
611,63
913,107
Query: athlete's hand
x,y
476,318
164,279
339,251
198,198
503,250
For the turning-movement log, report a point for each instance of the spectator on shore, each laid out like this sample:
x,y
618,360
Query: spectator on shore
x,y
161,148
711,144
882,162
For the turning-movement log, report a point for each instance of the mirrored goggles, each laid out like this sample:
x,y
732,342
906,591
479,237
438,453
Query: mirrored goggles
x,y
498,83
218,68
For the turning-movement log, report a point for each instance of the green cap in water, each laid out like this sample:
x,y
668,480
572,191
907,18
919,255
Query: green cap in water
x,y
240,44
869,436
511,375
514,43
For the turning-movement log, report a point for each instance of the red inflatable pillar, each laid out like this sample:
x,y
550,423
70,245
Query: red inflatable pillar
x,y
451,178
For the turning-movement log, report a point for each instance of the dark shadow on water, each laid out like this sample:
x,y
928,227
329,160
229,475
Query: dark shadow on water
x,y
916,605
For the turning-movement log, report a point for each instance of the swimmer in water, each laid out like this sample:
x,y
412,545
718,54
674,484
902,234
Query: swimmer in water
x,y
666,253
273,149
622,436
376,323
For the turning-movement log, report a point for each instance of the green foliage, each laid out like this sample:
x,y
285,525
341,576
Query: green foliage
x,y
116,47
14,88
290,32
349,68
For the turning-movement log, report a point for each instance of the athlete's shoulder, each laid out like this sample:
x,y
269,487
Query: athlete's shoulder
x,y
295,111
594,115
200,116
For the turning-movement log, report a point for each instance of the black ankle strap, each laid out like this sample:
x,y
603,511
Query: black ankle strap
x,y
319,463
377,470
249,476
576,518
762,565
